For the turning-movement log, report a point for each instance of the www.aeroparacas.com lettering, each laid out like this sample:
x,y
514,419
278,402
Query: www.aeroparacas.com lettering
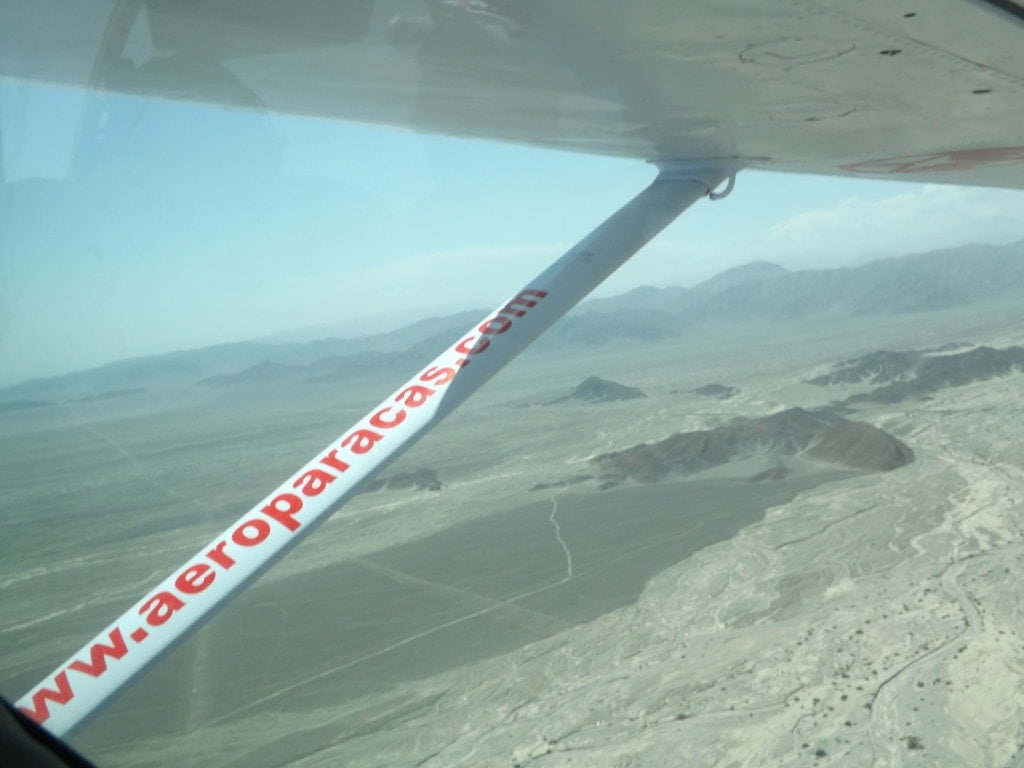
x,y
282,512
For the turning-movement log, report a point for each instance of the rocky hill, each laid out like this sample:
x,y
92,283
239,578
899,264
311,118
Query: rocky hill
x,y
597,390
792,432
910,374
719,391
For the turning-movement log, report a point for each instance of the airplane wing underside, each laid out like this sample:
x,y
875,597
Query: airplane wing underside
x,y
920,91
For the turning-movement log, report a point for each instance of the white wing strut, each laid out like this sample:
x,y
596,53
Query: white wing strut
x,y
78,688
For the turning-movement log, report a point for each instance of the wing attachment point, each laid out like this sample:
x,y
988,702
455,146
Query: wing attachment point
x,y
709,173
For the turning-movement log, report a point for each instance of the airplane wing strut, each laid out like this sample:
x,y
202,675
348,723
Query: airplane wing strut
x,y
77,689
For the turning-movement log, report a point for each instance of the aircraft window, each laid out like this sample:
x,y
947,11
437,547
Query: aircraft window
x,y
759,494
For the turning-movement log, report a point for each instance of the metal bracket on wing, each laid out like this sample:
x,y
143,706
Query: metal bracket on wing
x,y
198,589
704,172
730,183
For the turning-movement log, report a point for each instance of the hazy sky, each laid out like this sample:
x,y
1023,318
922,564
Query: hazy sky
x,y
130,227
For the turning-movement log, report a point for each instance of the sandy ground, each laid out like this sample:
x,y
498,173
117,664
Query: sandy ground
x,y
873,622
876,622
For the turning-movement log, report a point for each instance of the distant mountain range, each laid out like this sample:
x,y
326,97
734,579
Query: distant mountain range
x,y
928,281
754,292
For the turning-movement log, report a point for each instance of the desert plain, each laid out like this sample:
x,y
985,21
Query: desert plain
x,y
529,609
